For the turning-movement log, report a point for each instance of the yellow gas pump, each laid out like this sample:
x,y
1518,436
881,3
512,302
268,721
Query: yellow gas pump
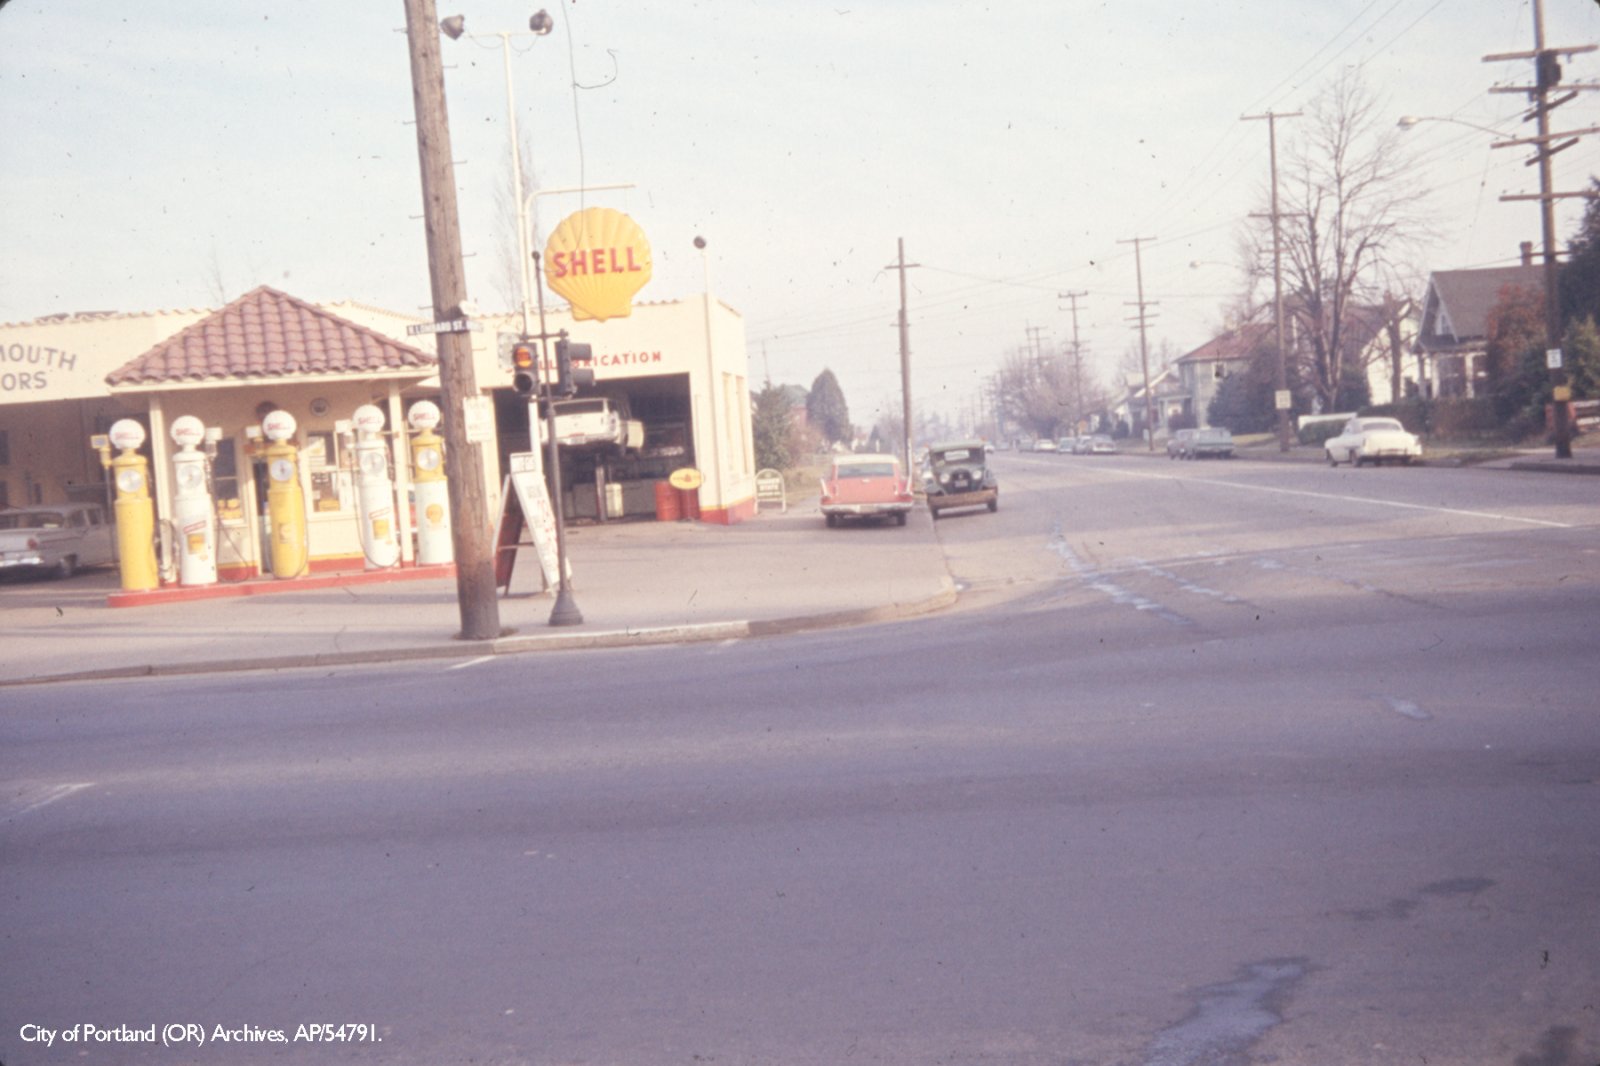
x,y
434,545
286,501
136,516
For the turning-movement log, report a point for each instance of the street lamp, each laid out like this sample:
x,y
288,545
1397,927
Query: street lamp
x,y
540,24
1412,121
565,612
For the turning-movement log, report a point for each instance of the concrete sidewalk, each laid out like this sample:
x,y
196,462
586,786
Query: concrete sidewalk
x,y
634,583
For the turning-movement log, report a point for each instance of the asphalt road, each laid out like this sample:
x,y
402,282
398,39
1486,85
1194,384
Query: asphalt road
x,y
1216,763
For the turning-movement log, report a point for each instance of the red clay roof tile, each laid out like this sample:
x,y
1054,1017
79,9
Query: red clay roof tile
x,y
267,333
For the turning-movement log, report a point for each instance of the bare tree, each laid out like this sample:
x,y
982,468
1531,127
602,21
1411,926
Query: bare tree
x,y
1039,392
1354,218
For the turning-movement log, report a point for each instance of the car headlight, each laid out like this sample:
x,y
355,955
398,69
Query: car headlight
x,y
944,478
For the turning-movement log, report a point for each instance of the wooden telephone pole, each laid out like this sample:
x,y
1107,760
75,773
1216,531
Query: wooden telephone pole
x,y
469,513
1547,75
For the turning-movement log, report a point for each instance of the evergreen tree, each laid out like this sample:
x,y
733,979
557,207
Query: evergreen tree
x,y
772,423
826,409
1579,283
1581,351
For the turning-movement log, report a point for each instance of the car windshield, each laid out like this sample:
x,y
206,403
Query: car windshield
x,y
864,470
954,455
580,407
1380,423
32,520
1214,434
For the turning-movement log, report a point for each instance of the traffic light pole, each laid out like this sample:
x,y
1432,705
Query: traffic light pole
x,y
565,612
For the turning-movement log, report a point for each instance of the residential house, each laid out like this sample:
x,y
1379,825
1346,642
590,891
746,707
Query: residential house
x,y
1202,371
1453,338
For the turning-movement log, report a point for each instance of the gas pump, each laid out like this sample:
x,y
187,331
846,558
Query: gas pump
x,y
434,544
286,501
374,490
136,517
193,515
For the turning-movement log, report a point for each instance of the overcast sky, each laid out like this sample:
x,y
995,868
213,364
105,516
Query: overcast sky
x,y
176,153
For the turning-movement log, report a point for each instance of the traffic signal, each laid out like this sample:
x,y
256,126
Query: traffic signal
x,y
524,377
574,366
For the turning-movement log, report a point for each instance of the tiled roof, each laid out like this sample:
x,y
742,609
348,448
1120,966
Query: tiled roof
x,y
264,334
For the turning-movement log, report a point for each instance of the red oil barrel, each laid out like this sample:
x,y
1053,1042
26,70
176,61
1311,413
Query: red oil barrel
x,y
668,507
691,504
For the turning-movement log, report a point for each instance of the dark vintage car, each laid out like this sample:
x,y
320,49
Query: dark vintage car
x,y
957,475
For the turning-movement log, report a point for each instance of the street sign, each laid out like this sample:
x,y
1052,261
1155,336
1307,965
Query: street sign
x,y
1552,358
477,416
1283,399
457,325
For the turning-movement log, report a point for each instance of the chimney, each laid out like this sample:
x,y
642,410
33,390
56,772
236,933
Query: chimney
x,y
1527,253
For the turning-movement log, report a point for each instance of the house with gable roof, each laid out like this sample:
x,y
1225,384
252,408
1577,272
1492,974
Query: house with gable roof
x,y
1453,339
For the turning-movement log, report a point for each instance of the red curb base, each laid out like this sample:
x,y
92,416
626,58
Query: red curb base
x,y
267,586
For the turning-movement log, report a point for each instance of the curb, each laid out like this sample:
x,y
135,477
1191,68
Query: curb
x,y
516,645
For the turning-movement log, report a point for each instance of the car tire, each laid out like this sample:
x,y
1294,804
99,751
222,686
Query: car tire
x,y
994,505
1357,460
900,518
1331,460
832,520
67,566
934,512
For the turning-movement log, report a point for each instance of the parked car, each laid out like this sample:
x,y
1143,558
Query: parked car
x,y
957,476
1044,444
1176,442
60,539
1373,440
1216,443
866,486
1100,444
1080,444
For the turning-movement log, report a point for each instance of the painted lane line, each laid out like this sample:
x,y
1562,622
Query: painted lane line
x,y
31,799
1338,498
1096,580
472,662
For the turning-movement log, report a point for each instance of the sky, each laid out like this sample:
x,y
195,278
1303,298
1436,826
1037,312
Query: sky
x,y
178,153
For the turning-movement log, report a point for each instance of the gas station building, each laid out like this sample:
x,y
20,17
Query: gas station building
x,y
679,367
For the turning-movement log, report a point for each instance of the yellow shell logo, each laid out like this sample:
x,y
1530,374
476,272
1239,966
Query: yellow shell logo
x,y
597,259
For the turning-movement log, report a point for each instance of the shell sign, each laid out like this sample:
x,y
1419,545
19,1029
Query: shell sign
x,y
597,259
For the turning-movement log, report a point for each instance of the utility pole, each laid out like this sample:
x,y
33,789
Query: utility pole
x,y
1034,347
1144,346
1282,401
470,526
1077,361
1547,75
905,349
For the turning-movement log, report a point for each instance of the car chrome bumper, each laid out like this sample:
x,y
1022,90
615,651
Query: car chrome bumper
x,y
976,498
865,508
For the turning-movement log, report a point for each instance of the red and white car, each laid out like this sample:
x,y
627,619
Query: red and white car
x,y
866,486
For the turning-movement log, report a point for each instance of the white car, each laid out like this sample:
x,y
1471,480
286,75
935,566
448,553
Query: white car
x,y
58,539
1373,440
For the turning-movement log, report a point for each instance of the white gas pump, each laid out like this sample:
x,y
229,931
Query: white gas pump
x,y
375,490
434,544
193,514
